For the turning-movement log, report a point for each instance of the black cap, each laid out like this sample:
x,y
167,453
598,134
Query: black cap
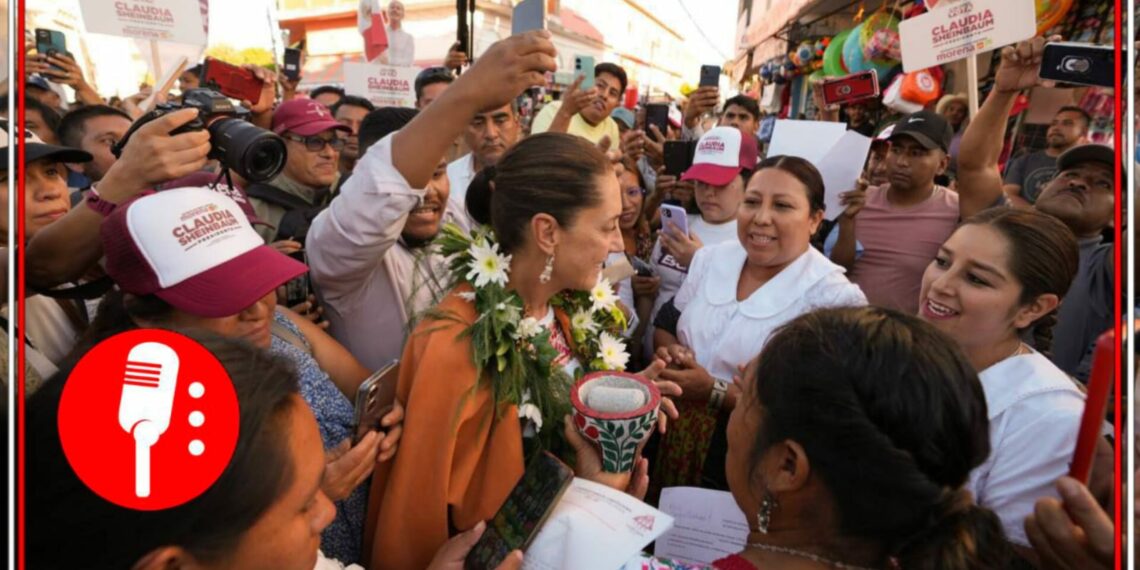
x,y
35,149
927,127
1086,153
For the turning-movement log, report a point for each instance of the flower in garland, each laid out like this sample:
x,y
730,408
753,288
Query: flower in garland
x,y
487,265
528,328
529,411
603,296
611,351
583,321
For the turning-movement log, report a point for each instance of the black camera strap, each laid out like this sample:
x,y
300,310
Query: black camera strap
x,y
90,290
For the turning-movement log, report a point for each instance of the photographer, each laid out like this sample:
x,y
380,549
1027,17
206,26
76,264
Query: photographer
x,y
289,202
69,247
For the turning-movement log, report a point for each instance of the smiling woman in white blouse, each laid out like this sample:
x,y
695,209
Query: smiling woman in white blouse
x,y
735,295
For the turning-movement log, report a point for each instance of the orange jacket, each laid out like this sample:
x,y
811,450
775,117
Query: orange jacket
x,y
456,463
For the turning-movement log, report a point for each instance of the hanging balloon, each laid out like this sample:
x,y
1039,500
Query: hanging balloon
x,y
853,51
789,65
806,52
820,46
884,47
765,72
1050,13
833,56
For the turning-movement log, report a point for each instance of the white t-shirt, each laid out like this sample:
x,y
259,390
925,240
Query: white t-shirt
x,y
725,333
672,273
459,175
1035,413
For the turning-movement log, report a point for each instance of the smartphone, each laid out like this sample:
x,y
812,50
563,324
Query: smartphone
x,y
528,15
642,268
232,81
292,64
679,156
584,67
51,42
657,114
675,215
563,78
851,88
1083,64
374,399
1099,386
298,289
527,507
710,76
767,125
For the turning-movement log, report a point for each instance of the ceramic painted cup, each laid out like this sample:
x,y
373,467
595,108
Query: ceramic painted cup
x,y
617,411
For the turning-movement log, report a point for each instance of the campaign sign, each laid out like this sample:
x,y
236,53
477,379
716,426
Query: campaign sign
x,y
964,29
384,85
178,21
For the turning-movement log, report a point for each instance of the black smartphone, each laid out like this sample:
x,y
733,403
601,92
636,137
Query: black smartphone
x,y
1082,64
292,65
527,507
657,114
679,156
710,76
374,400
51,42
642,268
298,289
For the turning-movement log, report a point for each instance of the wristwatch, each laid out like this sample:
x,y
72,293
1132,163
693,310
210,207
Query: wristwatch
x,y
97,203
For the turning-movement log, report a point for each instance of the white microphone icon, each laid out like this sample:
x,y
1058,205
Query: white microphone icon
x,y
149,380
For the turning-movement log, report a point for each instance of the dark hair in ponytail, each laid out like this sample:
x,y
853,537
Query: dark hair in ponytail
x,y
802,170
893,419
548,173
1043,256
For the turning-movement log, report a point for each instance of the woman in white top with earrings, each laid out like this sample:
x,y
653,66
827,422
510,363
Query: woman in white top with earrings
x,y
735,296
1004,272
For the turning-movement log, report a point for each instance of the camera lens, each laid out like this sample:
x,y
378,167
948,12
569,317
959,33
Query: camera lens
x,y
254,153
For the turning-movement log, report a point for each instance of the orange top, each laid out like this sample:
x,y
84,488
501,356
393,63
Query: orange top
x,y
456,463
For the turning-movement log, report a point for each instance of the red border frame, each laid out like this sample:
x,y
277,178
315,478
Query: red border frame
x,y
18,47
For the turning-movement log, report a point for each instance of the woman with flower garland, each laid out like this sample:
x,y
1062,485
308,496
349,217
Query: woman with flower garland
x,y
735,295
486,375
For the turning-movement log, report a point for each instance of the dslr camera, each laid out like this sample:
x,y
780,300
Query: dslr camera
x,y
256,154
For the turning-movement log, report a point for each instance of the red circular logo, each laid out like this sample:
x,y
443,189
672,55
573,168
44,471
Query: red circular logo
x,y
148,419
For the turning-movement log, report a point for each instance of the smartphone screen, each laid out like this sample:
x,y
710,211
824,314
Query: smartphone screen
x,y
292,64
298,289
520,517
678,156
1082,64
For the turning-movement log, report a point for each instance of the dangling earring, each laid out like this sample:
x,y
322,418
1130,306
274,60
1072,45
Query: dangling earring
x,y
547,271
764,517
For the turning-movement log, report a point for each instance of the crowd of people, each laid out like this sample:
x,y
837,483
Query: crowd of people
x,y
899,387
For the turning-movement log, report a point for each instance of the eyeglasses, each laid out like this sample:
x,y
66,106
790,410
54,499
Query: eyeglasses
x,y
315,143
634,192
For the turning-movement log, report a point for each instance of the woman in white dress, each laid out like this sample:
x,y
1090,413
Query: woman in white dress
x,y
1004,272
736,294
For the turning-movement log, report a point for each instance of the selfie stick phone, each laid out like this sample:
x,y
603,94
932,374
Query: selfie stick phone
x,y
1100,383
149,380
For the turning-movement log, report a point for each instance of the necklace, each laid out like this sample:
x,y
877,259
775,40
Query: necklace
x,y
806,555
1016,351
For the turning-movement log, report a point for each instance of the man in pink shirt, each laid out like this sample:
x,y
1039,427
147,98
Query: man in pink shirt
x,y
902,223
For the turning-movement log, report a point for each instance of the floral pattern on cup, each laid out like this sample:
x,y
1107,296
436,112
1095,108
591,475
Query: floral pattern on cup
x,y
618,435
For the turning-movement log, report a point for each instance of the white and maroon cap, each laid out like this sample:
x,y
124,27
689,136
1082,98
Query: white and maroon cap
x,y
195,249
722,153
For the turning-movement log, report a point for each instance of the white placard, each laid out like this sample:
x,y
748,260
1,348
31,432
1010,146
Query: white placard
x,y
384,85
838,154
964,29
592,527
707,525
178,21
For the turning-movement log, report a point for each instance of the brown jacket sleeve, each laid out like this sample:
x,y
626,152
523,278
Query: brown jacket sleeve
x,y
456,463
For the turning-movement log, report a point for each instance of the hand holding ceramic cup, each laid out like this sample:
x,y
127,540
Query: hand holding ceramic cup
x,y
617,411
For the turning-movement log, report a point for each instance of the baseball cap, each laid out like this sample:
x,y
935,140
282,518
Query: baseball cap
x,y
1086,153
624,116
305,117
194,249
927,127
37,81
883,139
721,154
35,148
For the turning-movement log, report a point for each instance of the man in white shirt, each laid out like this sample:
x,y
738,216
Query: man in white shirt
x,y
489,136
401,44
367,250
